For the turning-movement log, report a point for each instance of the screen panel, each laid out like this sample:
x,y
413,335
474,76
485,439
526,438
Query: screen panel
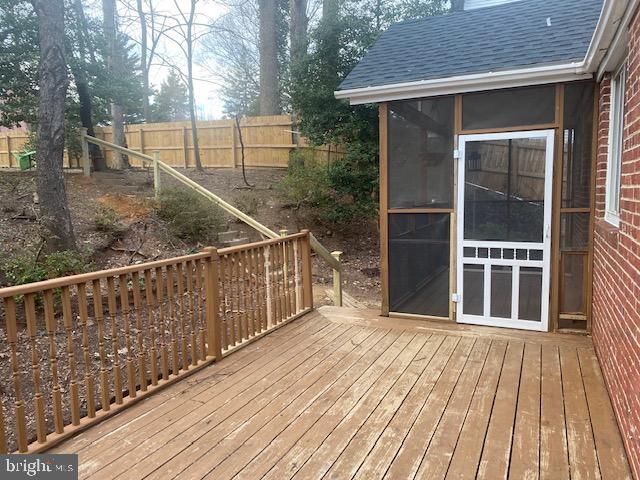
x,y
420,154
419,263
508,108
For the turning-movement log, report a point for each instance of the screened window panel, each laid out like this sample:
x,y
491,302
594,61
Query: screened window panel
x,y
578,145
574,228
508,108
420,155
573,278
419,264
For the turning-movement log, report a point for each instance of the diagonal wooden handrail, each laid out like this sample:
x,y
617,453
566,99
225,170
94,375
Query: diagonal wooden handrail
x,y
332,259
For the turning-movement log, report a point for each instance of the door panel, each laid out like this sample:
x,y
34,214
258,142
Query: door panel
x,y
504,218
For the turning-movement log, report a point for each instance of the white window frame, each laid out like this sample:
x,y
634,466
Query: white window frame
x,y
615,146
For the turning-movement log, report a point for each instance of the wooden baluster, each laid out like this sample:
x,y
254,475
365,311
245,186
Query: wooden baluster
x,y
88,375
38,401
192,314
224,302
104,374
115,344
293,286
151,327
56,395
262,305
268,286
251,286
142,361
199,308
19,408
277,269
67,316
164,354
242,295
296,275
124,305
183,336
235,287
175,365
3,432
286,278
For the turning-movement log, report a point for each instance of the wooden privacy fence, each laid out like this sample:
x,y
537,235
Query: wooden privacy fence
x,y
267,143
77,349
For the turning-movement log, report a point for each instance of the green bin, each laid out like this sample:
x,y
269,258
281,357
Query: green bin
x,y
25,159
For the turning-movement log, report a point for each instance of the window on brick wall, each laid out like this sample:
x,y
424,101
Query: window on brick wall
x,y
614,160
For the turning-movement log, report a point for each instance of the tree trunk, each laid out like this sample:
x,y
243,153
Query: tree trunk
x,y
143,61
457,5
114,66
52,94
192,100
86,118
82,86
298,29
269,91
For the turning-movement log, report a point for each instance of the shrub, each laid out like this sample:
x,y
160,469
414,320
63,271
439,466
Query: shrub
x,y
189,216
107,220
24,268
342,193
247,203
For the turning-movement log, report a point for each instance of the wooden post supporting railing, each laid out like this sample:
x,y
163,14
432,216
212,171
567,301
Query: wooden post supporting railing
x,y
337,281
156,173
307,281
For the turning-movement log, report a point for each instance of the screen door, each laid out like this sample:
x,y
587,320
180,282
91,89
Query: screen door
x,y
504,229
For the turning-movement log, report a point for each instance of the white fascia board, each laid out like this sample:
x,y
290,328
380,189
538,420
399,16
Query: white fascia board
x,y
605,30
467,83
614,51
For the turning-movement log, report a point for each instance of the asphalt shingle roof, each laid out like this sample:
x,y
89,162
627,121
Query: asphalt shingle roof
x,y
503,37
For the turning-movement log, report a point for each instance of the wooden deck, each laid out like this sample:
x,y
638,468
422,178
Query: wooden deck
x,y
341,393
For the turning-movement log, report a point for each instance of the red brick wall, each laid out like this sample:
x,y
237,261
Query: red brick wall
x,y
616,269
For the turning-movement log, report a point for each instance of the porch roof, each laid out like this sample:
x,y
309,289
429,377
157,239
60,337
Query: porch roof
x,y
515,36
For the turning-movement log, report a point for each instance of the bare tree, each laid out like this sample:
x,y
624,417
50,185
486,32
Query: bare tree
x,y
269,88
53,86
151,29
79,69
298,29
114,65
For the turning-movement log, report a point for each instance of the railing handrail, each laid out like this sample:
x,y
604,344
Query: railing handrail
x,y
227,207
68,280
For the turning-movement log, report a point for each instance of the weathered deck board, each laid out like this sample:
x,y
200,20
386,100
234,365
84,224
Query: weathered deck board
x,y
344,394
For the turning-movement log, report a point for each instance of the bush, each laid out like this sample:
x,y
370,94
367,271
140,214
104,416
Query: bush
x,y
189,216
247,203
342,193
107,220
25,269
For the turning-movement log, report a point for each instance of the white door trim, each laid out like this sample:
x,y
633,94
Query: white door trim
x,y
545,262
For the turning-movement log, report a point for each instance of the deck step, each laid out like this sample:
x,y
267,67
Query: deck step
x,y
235,242
227,236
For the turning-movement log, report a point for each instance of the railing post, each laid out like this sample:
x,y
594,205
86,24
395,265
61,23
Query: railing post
x,y
337,282
86,161
156,173
307,282
212,304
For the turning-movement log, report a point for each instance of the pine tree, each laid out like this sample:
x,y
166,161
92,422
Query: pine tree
x,y
171,104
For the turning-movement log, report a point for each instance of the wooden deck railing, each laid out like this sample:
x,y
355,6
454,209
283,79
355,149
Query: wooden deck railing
x,y
76,349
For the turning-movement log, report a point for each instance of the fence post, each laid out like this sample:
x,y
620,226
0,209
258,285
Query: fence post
x,y
156,173
9,148
213,303
307,283
337,282
86,161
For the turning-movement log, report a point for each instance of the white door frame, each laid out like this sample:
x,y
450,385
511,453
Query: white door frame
x,y
545,263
